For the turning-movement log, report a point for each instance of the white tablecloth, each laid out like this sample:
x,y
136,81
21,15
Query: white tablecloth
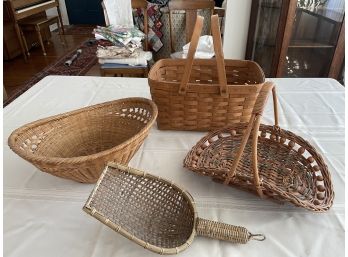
x,y
43,214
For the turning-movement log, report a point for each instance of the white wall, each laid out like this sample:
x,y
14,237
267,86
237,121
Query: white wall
x,y
236,28
63,11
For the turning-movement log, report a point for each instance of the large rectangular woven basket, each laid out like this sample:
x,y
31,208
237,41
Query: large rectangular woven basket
x,y
202,94
77,145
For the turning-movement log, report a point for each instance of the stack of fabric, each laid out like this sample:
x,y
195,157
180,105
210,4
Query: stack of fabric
x,y
125,48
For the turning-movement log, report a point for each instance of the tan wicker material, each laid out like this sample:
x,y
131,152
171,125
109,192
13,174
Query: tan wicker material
x,y
77,145
153,212
197,94
270,161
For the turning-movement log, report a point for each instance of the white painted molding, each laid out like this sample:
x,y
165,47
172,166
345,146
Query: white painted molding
x,y
63,11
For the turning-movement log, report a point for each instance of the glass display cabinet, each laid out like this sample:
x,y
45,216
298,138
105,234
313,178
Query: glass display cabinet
x,y
297,38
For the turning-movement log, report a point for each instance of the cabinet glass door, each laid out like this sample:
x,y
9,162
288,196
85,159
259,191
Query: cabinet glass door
x,y
314,37
265,19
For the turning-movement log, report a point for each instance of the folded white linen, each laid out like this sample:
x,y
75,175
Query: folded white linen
x,y
141,59
99,37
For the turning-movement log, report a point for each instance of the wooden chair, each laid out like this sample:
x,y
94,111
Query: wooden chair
x,y
129,71
221,13
25,17
190,7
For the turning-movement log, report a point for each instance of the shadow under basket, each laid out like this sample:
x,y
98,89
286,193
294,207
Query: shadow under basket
x,y
77,145
267,160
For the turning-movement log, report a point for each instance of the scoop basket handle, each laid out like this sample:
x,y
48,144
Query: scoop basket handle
x,y
226,232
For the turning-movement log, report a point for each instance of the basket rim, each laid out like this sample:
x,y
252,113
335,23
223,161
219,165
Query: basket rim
x,y
102,218
161,63
78,159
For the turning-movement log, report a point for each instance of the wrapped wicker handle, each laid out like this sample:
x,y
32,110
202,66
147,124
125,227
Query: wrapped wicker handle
x,y
226,232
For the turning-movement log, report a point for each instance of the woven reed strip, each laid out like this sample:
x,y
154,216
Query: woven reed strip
x,y
78,144
153,212
275,163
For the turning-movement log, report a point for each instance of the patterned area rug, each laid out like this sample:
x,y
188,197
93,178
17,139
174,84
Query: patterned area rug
x,y
78,29
80,67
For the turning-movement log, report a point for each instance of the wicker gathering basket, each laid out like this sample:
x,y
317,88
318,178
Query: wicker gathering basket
x,y
153,212
197,94
77,145
267,160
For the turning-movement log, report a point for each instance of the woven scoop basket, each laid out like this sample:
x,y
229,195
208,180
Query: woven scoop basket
x,y
77,145
153,212
204,94
267,160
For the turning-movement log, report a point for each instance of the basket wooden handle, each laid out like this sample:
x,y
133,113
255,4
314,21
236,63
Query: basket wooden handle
x,y
226,232
191,53
275,106
255,136
253,125
219,57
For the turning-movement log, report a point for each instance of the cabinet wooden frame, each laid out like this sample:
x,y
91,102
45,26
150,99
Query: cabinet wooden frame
x,y
338,58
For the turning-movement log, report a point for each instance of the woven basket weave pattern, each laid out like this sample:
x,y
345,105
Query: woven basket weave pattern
x,y
273,162
137,204
78,144
153,212
289,170
202,108
204,94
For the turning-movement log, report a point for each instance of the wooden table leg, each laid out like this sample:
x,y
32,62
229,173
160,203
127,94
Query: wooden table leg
x,y
18,31
61,20
25,42
102,72
61,33
40,39
5,96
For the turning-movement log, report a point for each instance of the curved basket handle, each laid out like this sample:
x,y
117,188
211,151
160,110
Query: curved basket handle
x,y
253,125
257,180
226,232
239,154
219,56
262,98
275,106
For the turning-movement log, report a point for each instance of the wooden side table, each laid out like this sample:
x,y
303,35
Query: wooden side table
x,y
141,72
39,24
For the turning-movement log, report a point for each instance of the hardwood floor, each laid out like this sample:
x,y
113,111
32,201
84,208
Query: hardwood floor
x,y
17,71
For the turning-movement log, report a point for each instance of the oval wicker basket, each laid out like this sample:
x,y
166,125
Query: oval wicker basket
x,y
267,160
77,145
